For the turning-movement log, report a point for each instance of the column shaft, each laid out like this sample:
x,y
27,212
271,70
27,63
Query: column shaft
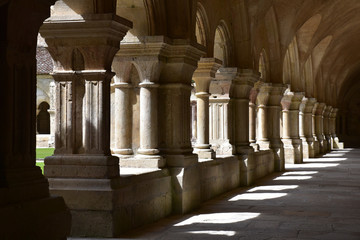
x,y
252,123
123,119
203,76
202,121
262,131
148,119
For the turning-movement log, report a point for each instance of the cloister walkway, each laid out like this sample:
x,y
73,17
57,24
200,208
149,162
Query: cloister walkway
x,y
319,199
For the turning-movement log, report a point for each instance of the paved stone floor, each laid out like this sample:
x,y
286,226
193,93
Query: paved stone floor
x,y
319,199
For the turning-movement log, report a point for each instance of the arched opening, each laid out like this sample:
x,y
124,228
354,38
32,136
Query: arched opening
x,y
134,10
291,68
201,26
43,119
222,44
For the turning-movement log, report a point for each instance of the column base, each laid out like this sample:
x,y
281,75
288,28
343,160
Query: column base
x,y
306,148
264,144
322,146
40,219
185,178
247,168
336,144
222,147
255,146
328,143
81,166
124,152
293,150
141,161
106,208
205,153
279,160
310,145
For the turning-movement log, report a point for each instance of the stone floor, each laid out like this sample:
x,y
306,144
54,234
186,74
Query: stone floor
x,y
319,199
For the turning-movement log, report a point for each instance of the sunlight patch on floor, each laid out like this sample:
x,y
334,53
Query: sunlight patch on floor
x,y
257,196
311,165
223,233
328,160
219,218
300,173
335,154
293,178
273,188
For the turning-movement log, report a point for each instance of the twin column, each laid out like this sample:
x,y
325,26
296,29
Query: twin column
x,y
290,118
203,76
148,68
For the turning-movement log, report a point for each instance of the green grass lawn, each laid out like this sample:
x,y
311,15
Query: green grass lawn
x,y
41,165
41,153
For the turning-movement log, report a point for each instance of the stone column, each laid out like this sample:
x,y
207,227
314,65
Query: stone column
x,y
203,76
335,143
148,121
52,114
319,130
293,149
262,99
239,97
327,133
123,110
241,87
83,48
252,115
306,127
180,62
220,90
25,203
193,122
269,110
313,125
148,65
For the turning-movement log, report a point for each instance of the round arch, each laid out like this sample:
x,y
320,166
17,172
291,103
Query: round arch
x,y
43,118
201,26
222,44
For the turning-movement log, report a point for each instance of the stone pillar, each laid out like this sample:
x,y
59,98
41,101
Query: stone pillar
x,y
52,114
239,97
335,143
241,87
123,111
180,62
319,130
252,115
220,111
327,134
269,110
203,76
262,99
293,149
193,122
149,65
25,203
83,48
306,127
313,125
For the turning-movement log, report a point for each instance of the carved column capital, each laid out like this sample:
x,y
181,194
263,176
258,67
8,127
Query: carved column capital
x,y
243,83
292,100
320,109
307,105
205,73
